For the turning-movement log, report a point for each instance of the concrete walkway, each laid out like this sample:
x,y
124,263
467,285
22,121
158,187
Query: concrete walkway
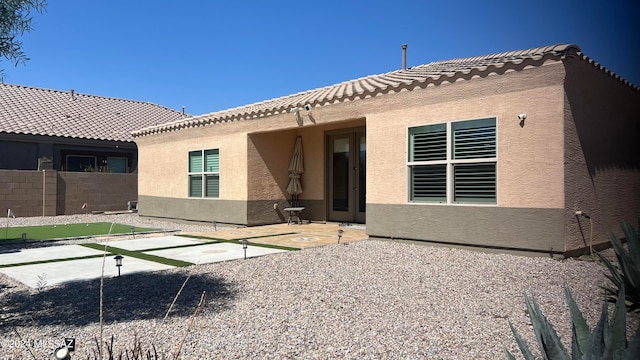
x,y
196,251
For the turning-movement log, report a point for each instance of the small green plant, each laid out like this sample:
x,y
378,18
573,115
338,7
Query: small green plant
x,y
627,274
605,341
42,282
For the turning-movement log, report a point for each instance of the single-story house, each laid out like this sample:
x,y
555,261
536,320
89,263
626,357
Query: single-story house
x,y
534,150
68,131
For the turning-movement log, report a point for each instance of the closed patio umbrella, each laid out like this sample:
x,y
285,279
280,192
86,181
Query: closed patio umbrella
x,y
296,168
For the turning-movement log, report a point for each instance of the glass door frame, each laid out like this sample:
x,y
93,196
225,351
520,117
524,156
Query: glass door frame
x,y
355,183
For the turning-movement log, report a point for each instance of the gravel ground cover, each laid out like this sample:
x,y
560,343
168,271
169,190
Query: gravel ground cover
x,y
364,300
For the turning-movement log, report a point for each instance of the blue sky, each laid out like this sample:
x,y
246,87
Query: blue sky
x,y
214,55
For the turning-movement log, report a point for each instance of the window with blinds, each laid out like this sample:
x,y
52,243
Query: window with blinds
x,y
453,162
204,173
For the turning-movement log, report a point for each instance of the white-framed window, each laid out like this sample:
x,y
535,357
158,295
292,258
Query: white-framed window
x,y
204,173
453,162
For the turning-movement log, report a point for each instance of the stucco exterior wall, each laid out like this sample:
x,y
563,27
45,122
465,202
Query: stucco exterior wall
x,y
547,165
530,162
602,142
530,158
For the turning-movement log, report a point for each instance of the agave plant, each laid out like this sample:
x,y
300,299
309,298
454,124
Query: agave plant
x,y
605,341
627,276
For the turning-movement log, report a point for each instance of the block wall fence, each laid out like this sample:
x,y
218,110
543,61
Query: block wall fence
x,y
50,193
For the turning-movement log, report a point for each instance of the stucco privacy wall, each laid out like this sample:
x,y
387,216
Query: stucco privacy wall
x,y
530,163
21,191
101,191
602,151
64,192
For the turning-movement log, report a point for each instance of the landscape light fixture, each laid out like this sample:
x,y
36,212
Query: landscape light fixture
x,y
133,231
244,247
340,232
118,259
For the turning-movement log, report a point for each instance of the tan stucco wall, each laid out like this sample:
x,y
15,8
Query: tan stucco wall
x,y
164,161
530,158
542,176
602,132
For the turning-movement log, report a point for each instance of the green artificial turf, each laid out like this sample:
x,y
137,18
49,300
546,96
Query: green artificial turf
x,y
138,255
48,232
239,241
51,260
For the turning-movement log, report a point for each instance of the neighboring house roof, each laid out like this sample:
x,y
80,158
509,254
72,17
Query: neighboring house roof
x,y
419,76
36,111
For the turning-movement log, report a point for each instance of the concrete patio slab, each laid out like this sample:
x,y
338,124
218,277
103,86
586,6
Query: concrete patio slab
x,y
45,253
300,236
152,242
75,270
205,254
296,236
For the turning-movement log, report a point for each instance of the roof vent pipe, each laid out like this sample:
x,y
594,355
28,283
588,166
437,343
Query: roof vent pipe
x,y
404,56
183,111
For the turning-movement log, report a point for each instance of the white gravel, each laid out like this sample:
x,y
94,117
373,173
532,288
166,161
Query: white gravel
x,y
364,300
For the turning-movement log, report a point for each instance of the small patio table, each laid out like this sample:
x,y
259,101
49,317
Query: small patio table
x,y
294,214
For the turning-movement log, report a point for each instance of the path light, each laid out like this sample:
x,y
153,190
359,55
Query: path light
x,y
340,231
244,246
133,231
118,259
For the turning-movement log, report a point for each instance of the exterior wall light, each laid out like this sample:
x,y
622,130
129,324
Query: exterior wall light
x,y
118,259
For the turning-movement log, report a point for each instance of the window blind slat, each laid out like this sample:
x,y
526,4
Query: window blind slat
x,y
429,182
475,182
212,161
213,186
195,185
428,143
474,143
195,161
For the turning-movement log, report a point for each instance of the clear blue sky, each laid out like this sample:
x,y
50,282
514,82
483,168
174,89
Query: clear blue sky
x,y
214,55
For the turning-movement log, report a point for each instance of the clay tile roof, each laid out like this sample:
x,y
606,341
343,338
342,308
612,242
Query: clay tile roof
x,y
36,111
419,76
